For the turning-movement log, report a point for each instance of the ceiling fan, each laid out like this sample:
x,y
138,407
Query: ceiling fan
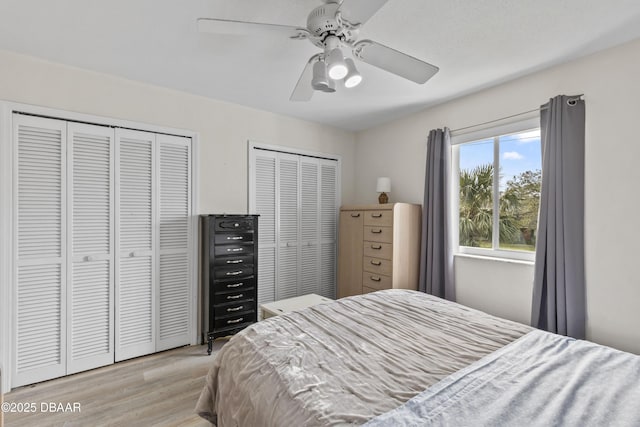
x,y
331,27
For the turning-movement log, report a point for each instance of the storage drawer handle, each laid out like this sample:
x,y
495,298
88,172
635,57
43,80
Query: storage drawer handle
x,y
378,231
355,215
376,215
234,285
235,249
376,262
375,278
233,273
234,261
235,296
229,322
234,238
236,308
376,247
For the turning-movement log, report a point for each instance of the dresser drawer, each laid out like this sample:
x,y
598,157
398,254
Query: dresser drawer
x,y
234,321
384,218
234,249
235,308
366,290
378,234
224,238
233,260
236,224
376,281
235,297
378,250
232,272
377,265
234,285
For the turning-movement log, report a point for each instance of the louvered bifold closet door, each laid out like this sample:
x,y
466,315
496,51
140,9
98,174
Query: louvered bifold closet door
x,y
309,226
264,180
90,282
174,314
288,197
40,246
135,239
328,226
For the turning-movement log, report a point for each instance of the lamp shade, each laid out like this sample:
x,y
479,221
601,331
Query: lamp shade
x,y
353,77
336,66
383,185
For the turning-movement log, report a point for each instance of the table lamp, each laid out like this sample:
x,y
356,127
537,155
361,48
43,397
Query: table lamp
x,y
383,187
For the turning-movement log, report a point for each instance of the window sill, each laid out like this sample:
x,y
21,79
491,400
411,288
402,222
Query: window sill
x,y
495,259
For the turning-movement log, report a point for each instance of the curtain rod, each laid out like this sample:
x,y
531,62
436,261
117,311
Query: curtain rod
x,y
571,101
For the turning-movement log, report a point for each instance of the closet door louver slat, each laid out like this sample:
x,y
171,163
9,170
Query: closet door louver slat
x,y
40,244
135,264
90,284
175,240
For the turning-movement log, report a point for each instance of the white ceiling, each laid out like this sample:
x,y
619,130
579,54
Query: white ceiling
x,y
476,44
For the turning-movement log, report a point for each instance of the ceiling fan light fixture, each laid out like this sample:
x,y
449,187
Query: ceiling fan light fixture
x,y
336,65
320,80
353,77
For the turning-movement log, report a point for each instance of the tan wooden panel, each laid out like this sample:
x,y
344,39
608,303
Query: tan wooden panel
x,y
377,281
350,253
378,234
378,266
380,217
378,250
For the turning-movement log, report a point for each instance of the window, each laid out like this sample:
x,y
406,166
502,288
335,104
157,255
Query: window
x,y
497,213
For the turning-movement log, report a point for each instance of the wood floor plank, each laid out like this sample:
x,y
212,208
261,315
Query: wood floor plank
x,y
157,390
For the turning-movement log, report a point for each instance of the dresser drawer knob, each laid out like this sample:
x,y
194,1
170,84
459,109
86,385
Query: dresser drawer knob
x,y
376,247
355,215
376,262
236,308
233,273
375,278
229,322
376,215
378,231
234,285
235,296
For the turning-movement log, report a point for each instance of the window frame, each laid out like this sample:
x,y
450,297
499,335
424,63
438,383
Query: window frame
x,y
490,132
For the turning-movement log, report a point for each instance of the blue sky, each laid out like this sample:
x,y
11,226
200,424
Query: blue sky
x,y
518,153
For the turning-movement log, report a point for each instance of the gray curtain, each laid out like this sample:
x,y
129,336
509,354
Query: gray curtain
x,y
559,278
436,259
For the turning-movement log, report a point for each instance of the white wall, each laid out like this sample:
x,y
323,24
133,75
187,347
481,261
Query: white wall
x,y
224,128
610,81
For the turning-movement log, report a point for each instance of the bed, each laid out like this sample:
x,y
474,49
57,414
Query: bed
x,y
401,357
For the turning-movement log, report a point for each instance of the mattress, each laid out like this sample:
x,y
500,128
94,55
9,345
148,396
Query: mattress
x,y
346,362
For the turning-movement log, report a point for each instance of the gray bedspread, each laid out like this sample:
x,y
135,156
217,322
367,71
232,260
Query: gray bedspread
x,y
346,362
541,379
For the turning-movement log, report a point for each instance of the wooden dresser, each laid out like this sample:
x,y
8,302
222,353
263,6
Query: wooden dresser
x,y
378,248
229,274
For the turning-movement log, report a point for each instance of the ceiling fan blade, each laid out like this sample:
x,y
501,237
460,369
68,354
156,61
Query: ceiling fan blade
x,y
393,61
303,90
242,28
360,11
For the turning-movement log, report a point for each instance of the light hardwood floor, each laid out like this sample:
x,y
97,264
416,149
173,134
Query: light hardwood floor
x,y
156,390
